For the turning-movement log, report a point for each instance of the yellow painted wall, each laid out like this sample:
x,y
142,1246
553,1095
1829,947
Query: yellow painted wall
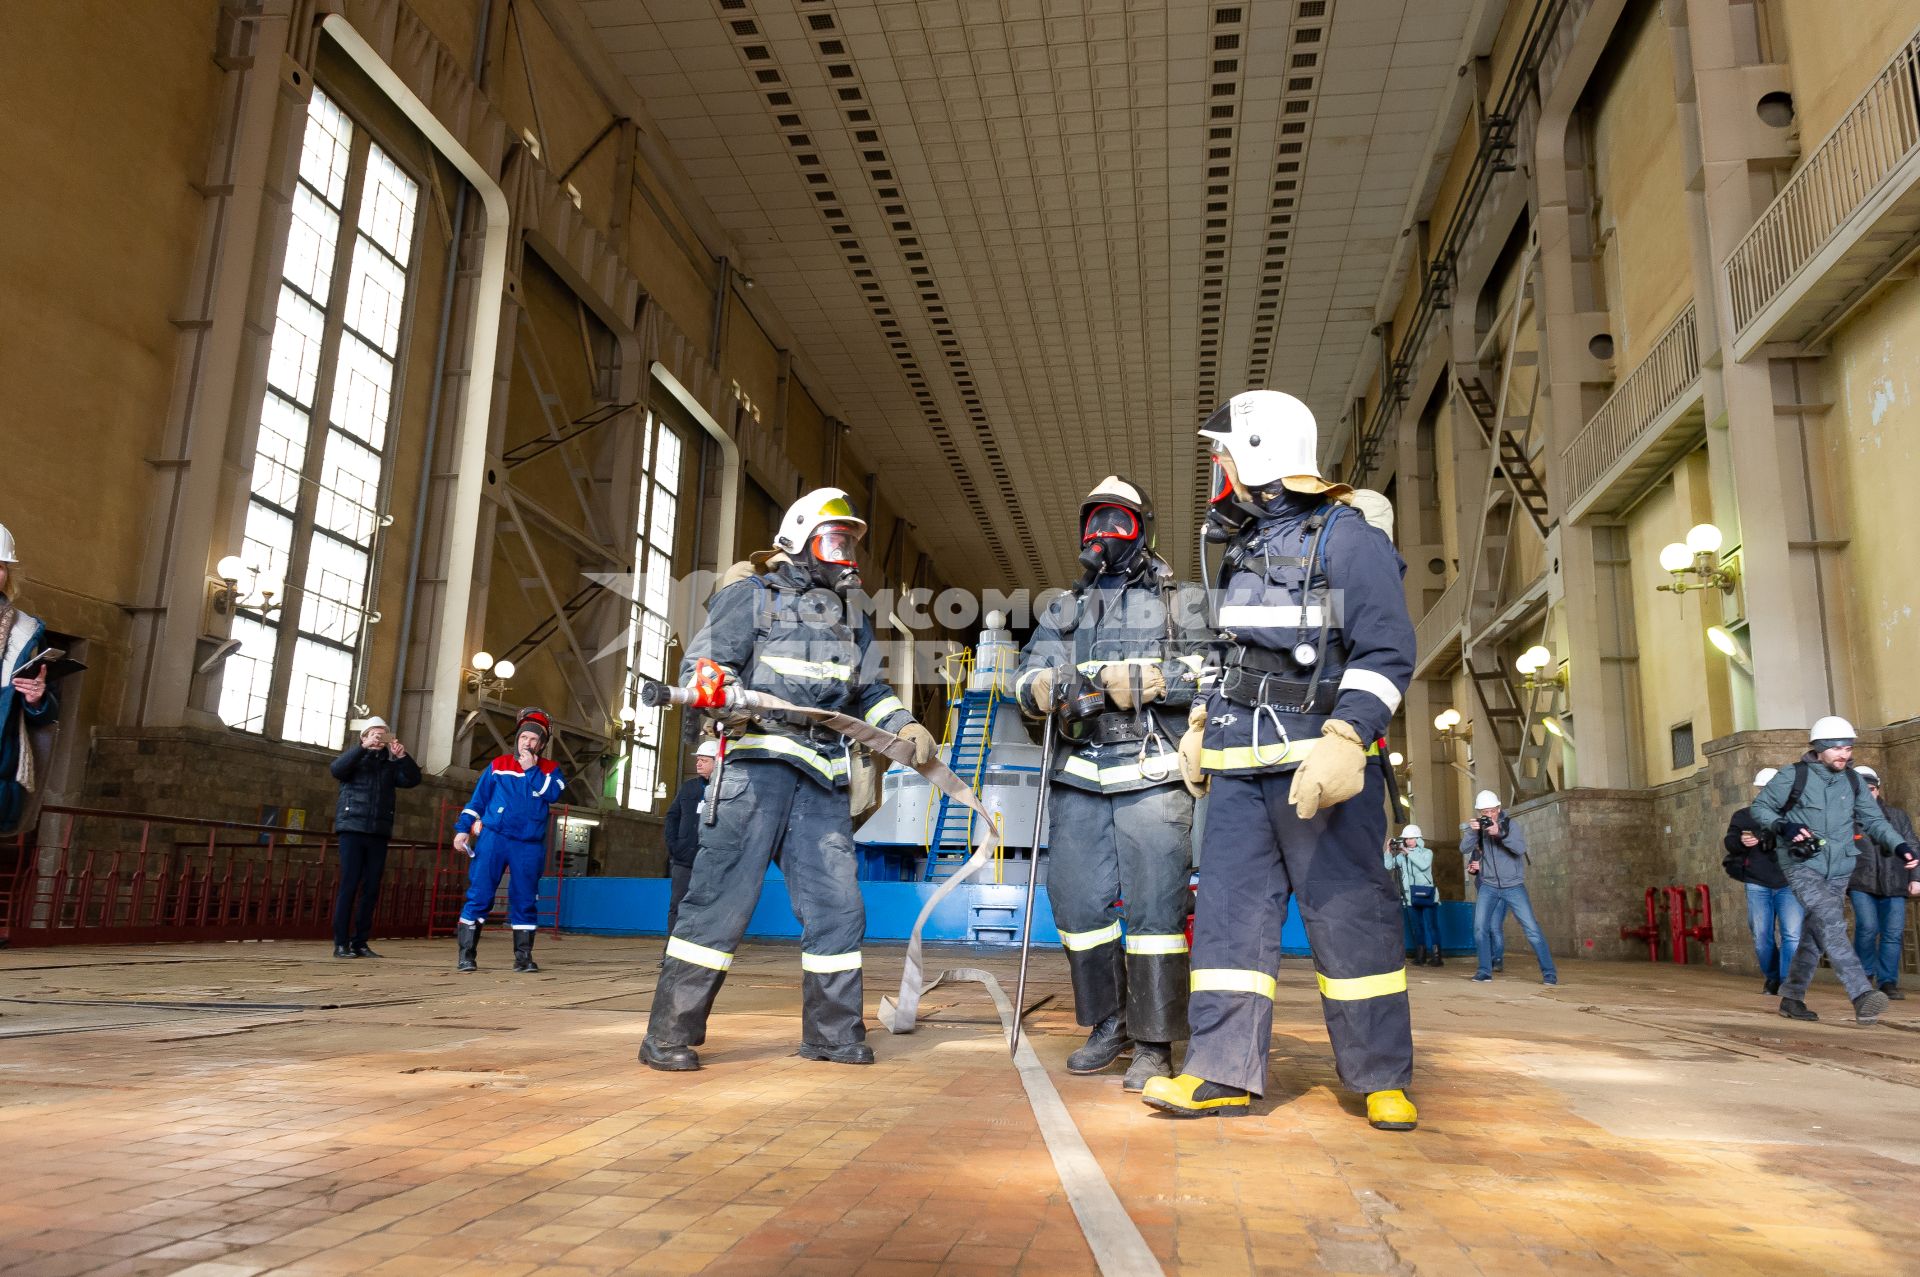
x,y
95,255
1642,194
1681,677
1834,49
1872,445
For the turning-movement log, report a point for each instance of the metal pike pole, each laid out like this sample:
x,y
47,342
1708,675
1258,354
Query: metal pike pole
x,y
1033,878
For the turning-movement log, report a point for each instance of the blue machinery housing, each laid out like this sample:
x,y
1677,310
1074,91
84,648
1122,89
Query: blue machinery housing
x,y
972,914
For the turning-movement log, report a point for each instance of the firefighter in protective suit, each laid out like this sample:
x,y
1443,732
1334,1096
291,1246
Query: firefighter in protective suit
x,y
1123,649
1318,649
781,785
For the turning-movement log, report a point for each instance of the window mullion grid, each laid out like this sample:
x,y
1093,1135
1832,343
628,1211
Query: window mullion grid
x,y
334,325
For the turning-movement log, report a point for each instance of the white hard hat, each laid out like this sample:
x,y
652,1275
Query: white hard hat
x,y
1375,507
822,505
1411,831
1270,436
1765,774
368,724
1484,799
9,553
1872,776
1832,728
708,749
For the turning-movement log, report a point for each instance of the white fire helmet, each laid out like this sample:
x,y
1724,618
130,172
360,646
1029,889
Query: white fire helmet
x,y
805,516
1269,436
1765,774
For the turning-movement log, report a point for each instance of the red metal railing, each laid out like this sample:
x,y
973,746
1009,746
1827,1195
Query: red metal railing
x,y
89,876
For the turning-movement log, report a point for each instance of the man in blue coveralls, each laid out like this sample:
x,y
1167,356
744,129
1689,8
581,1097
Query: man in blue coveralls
x,y
509,806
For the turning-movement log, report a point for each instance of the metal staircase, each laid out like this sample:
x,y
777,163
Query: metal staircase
x,y
969,738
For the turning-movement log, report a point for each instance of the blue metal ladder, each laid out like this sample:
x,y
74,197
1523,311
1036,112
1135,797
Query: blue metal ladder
x,y
948,846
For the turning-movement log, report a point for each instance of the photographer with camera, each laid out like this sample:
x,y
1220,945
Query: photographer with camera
x,y
1813,809
1496,855
1411,858
1750,861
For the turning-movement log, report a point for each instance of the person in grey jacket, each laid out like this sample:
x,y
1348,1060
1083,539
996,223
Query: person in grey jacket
x,y
1813,809
1878,892
1496,853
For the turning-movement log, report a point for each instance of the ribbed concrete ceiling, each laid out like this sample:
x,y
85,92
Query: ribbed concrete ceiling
x,y
1033,242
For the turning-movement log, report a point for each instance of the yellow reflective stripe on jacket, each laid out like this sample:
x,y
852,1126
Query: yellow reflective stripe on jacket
x,y
806,669
1228,980
884,707
1080,941
1242,756
833,768
1358,988
1164,766
1091,668
1175,943
698,954
828,963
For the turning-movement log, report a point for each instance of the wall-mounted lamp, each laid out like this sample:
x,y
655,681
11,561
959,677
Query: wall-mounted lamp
x,y
1695,565
624,729
1449,726
1730,647
262,594
1531,662
487,676
1557,729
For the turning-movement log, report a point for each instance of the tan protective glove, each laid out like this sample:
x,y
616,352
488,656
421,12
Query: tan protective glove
x,y
1333,772
1040,692
1190,769
924,745
1117,682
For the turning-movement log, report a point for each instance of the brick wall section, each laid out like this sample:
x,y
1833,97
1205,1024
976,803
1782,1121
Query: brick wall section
x,y
1596,851
218,775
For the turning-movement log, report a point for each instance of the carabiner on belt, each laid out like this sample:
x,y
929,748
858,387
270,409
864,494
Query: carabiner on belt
x,y
1167,756
1286,741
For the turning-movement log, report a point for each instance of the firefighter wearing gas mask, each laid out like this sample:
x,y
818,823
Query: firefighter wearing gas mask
x,y
1317,651
787,631
1116,659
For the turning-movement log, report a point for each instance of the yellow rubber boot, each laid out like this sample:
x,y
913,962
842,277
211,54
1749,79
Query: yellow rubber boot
x,y
1190,1096
1391,1111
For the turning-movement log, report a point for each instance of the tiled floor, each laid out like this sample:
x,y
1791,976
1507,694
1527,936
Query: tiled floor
x,y
237,1109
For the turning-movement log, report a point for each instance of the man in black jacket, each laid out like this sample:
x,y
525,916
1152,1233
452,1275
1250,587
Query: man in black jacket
x,y
1750,860
1878,893
683,827
362,822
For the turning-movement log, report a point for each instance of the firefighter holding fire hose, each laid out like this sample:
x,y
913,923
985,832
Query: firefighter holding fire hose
x,y
786,631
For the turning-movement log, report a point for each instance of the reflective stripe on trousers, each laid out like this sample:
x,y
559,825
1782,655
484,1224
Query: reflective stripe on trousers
x,y
1117,875
764,804
1258,855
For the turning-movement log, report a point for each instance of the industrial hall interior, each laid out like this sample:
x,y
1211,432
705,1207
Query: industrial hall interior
x,y
868,637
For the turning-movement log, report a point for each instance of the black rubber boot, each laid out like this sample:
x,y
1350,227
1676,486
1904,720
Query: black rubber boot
x,y
1794,1009
342,951
851,1053
1868,1006
1892,990
1105,1044
1150,1060
1436,960
362,950
523,951
668,1059
469,940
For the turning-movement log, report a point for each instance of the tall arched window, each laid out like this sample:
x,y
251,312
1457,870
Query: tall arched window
x,y
316,491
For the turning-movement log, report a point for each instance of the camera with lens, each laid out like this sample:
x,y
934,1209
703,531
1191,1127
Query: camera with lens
x,y
1483,823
